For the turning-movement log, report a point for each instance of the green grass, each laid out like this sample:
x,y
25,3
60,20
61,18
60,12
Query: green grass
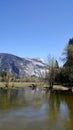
x,y
15,84
1,84
24,84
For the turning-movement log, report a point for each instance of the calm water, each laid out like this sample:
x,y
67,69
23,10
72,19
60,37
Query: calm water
x,y
26,109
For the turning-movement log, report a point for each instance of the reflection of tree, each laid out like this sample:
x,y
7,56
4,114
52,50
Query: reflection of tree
x,y
6,98
12,98
57,118
54,106
9,98
69,102
34,97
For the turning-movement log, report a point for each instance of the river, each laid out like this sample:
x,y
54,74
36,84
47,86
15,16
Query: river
x,y
26,109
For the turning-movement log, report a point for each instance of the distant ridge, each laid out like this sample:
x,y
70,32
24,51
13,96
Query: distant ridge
x,y
21,66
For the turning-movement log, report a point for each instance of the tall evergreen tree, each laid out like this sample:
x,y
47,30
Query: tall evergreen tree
x,y
69,62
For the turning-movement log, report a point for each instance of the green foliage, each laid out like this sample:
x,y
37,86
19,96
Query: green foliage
x,y
68,66
7,79
68,55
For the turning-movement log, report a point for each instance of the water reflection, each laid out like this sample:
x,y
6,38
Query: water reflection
x,y
29,109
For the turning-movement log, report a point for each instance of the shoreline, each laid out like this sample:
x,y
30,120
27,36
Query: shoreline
x,y
15,85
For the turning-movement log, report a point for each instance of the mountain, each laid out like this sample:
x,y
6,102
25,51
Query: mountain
x,y
21,66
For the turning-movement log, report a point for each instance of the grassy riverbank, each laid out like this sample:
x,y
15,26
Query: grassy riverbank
x,y
15,84
24,84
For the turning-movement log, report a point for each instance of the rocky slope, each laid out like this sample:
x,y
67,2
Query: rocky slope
x,y
21,66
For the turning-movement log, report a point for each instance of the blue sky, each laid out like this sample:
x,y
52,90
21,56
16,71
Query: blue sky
x,y
35,28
